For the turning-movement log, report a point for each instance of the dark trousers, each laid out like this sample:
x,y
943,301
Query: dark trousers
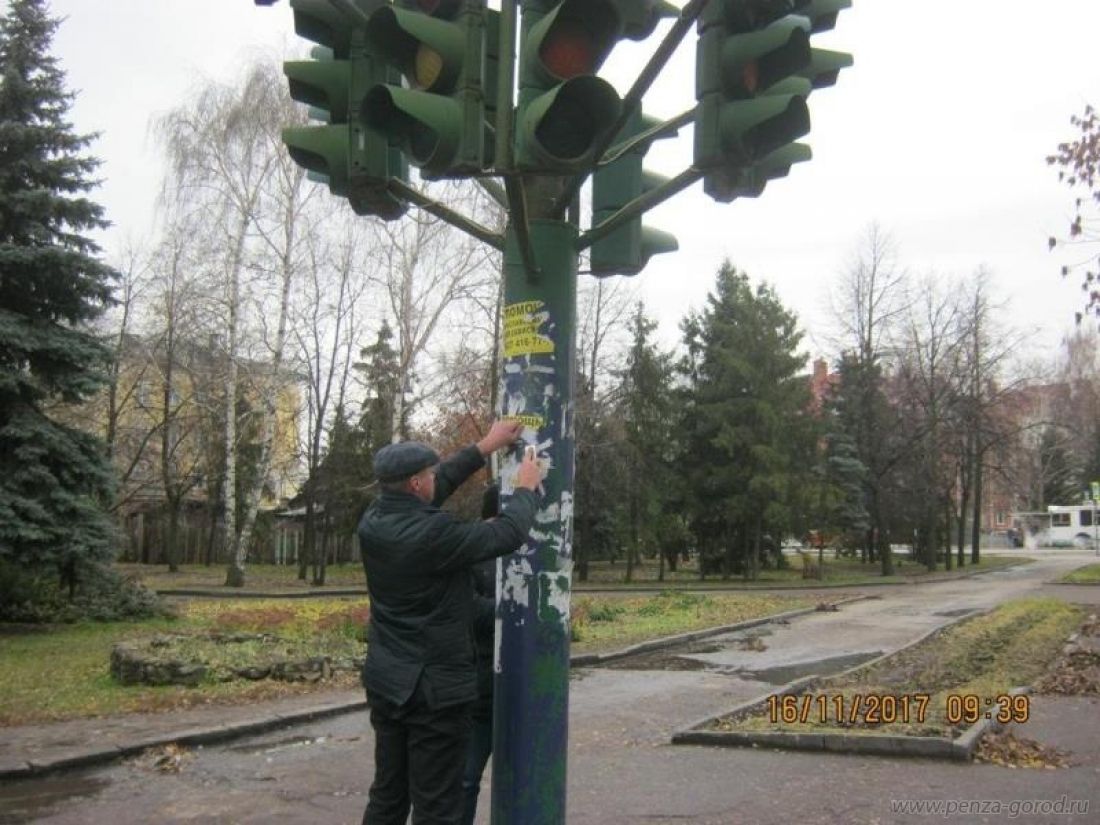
x,y
477,754
419,754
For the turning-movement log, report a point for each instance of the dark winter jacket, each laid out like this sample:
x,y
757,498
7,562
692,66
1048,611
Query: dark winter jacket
x,y
417,560
485,585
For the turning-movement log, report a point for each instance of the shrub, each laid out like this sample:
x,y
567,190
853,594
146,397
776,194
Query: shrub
x,y
101,594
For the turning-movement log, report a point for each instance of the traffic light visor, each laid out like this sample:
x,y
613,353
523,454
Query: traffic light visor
x,y
428,125
567,121
428,51
575,38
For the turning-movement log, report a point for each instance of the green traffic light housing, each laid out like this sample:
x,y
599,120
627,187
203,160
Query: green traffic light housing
x,y
558,131
426,128
438,119
627,249
745,65
725,185
823,13
640,17
755,69
324,85
825,67
428,51
565,110
355,162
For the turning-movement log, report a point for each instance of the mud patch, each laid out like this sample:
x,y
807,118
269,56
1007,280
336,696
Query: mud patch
x,y
31,799
666,659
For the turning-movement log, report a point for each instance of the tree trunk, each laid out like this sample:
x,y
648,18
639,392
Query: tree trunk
x,y
320,567
948,517
886,555
309,539
976,524
171,538
234,574
270,402
632,551
964,505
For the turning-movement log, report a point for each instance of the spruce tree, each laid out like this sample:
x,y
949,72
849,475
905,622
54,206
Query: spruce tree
x,y
54,479
746,428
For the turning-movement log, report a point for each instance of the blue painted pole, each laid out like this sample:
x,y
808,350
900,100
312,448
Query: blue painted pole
x,y
531,684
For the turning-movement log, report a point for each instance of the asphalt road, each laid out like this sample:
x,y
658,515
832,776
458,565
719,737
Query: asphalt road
x,y
622,769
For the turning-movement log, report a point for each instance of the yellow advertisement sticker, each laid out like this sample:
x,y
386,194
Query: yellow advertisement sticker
x,y
535,422
521,330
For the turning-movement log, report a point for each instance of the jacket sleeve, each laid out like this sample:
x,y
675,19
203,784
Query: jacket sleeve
x,y
457,544
454,470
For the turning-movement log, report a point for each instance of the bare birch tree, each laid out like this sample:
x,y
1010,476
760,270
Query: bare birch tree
x,y
226,153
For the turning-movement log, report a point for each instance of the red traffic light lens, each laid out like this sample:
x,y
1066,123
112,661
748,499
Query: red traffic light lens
x,y
750,77
568,50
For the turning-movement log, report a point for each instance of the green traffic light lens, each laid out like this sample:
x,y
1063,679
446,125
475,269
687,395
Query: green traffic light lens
x,y
566,132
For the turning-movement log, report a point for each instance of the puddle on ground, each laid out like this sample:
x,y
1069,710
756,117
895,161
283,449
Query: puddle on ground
x,y
819,667
952,614
26,800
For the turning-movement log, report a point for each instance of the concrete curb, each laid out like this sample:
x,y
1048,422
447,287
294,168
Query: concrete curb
x,y
191,737
959,749
218,594
590,659
207,593
1072,584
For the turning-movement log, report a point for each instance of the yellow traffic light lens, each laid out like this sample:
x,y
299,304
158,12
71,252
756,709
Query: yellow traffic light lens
x,y
428,67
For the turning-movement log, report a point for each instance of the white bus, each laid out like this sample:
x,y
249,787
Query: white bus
x,y
1062,525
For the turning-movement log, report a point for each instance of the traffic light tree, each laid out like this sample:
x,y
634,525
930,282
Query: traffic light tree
x,y
513,99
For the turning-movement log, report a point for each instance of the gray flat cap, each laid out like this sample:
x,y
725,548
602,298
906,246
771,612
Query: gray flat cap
x,y
396,462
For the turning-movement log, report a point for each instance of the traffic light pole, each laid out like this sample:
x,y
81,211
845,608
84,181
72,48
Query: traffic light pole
x,y
414,82
531,691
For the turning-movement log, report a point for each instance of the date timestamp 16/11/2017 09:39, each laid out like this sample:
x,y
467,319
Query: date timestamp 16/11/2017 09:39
x,y
886,709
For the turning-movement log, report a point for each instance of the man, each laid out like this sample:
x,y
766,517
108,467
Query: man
x,y
419,674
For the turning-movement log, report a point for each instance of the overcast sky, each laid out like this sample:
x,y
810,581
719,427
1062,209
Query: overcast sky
x,y
939,133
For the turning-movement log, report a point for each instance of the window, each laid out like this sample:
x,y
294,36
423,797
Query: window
x,y
1059,519
1086,518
